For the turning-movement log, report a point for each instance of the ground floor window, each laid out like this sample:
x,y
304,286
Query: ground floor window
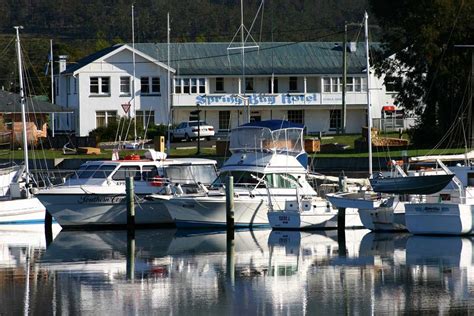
x,y
104,118
255,116
224,120
145,118
296,116
335,119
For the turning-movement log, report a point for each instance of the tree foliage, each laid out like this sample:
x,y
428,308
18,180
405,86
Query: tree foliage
x,y
423,34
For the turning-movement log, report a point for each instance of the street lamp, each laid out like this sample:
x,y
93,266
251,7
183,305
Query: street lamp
x,y
198,113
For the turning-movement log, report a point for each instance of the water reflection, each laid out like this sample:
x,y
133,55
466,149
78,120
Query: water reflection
x,y
256,272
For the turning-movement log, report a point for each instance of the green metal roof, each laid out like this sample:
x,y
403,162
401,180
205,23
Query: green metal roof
x,y
284,58
10,103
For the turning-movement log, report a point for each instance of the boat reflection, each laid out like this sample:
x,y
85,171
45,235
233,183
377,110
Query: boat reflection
x,y
267,272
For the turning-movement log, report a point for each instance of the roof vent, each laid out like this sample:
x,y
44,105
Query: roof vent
x,y
62,63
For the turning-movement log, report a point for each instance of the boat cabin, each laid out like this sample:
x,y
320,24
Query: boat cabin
x,y
187,172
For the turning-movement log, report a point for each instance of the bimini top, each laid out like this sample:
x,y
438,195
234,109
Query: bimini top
x,y
268,136
273,124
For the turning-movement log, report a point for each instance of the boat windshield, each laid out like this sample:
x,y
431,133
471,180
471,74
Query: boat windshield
x,y
104,171
85,172
252,180
263,139
191,174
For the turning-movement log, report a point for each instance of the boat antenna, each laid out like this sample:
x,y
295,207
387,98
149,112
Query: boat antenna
x,y
244,35
23,108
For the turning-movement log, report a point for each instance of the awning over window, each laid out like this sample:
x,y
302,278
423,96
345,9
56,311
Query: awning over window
x,y
389,108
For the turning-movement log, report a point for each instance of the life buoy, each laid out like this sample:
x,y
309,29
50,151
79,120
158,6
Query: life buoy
x,y
157,181
132,157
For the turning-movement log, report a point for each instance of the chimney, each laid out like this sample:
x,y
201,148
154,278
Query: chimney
x,y
62,63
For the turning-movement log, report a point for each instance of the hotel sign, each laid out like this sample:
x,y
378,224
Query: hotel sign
x,y
260,99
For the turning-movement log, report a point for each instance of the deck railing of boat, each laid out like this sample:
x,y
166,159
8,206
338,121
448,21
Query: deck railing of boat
x,y
52,178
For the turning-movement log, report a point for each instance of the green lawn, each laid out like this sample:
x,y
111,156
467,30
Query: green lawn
x,y
105,154
347,139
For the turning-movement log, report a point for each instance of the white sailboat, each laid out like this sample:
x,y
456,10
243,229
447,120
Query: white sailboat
x,y
19,206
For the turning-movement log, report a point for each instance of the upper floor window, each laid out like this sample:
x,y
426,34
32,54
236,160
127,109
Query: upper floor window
x,y
249,85
392,84
100,85
293,84
327,84
177,85
150,85
275,85
189,85
125,86
220,84
353,84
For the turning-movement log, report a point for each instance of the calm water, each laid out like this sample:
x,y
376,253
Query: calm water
x,y
260,272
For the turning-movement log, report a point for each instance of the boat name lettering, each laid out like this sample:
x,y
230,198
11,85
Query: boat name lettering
x,y
101,199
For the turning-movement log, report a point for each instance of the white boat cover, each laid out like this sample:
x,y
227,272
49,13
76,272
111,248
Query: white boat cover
x,y
466,156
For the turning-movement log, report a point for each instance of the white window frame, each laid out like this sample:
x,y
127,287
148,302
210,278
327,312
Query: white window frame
x,y
125,87
151,84
106,115
299,117
101,83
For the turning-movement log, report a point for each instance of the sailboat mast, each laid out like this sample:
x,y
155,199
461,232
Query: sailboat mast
x,y
369,106
242,38
168,85
133,80
52,69
23,107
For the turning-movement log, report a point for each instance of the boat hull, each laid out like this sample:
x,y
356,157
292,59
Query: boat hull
x,y
429,184
204,211
439,218
384,218
73,210
211,212
21,211
311,220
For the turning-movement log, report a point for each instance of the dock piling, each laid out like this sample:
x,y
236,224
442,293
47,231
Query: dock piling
x,y
229,206
130,193
48,229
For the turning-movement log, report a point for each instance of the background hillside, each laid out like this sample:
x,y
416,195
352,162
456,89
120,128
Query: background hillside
x,y
79,28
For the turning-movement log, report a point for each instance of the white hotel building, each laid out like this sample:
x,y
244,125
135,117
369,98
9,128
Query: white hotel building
x,y
300,82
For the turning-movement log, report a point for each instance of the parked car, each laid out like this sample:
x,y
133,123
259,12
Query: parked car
x,y
189,130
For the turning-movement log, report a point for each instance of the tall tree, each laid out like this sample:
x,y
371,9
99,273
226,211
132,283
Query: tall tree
x,y
423,34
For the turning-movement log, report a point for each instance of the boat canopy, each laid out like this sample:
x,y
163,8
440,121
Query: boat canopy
x,y
459,157
265,136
